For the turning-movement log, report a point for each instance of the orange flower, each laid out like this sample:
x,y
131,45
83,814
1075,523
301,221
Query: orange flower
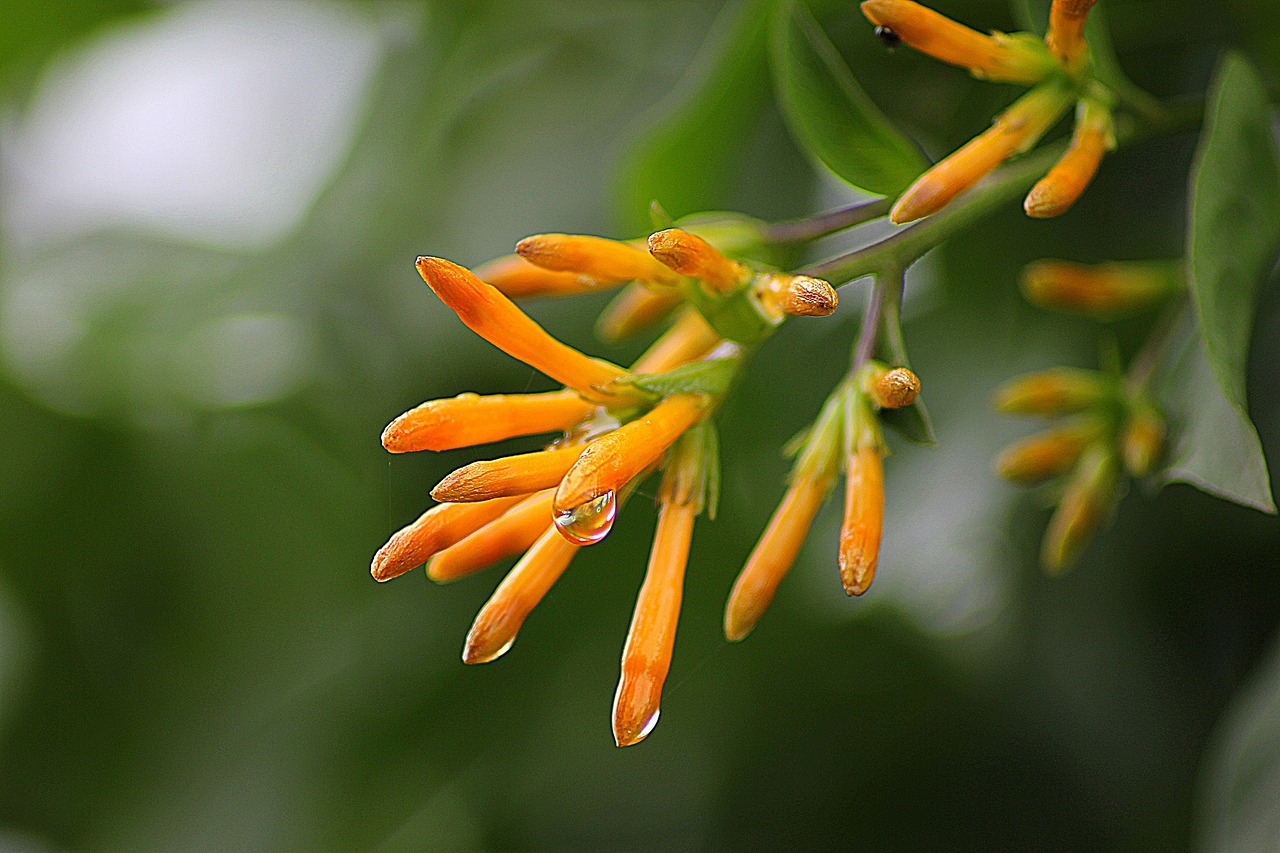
x,y
646,658
690,255
436,529
1093,137
1142,439
469,419
1058,391
636,308
689,338
1085,505
495,318
616,458
498,622
1044,456
1105,291
510,475
597,257
1065,38
518,278
1015,130
890,388
1000,57
863,519
795,295
776,552
509,534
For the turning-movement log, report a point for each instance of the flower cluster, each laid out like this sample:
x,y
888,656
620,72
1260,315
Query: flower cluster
x,y
1106,422
613,427
1059,71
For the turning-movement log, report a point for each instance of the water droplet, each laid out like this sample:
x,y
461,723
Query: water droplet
x,y
588,523
649,724
473,653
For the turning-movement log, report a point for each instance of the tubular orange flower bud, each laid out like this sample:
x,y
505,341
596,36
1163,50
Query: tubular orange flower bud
x,y
779,545
1065,38
597,257
1084,507
773,555
1103,291
890,388
1057,191
1142,440
1044,456
510,475
1000,57
863,519
512,533
1014,131
518,278
795,295
646,658
689,338
469,419
498,622
635,309
496,318
690,255
1058,391
436,529
614,459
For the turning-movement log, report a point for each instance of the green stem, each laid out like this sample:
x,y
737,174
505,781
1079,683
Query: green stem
x,y
792,232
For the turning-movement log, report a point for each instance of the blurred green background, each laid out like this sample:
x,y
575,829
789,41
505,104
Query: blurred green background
x,y
208,311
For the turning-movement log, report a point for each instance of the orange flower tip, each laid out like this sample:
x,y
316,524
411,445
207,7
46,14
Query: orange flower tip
x,y
810,297
690,255
737,624
920,200
895,388
856,576
1058,391
385,566
636,707
484,647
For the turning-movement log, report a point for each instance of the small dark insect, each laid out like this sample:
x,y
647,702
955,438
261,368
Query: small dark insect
x,y
888,37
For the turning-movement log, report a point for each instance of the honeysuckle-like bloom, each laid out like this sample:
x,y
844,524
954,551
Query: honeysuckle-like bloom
x,y
1102,291
1059,71
1048,454
863,523
1053,392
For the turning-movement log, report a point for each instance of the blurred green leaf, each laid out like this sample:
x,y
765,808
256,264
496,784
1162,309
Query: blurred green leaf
x,y
687,160
829,114
1234,228
1214,447
1242,785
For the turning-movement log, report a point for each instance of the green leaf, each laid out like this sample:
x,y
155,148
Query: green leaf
x,y
688,158
712,376
1213,446
911,422
829,114
1234,230
1241,786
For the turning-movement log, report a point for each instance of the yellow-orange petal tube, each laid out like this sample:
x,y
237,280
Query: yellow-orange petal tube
x,y
1044,456
597,257
1103,291
434,530
514,532
504,613
1053,392
511,475
1065,38
1084,507
1010,59
646,658
636,308
1054,194
614,459
689,338
1142,440
773,555
863,519
690,255
519,279
496,318
1014,131
470,419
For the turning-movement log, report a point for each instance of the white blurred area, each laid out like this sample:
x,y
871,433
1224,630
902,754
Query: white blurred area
x,y
146,163
216,122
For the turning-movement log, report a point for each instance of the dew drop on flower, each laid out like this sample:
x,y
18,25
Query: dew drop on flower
x,y
588,523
